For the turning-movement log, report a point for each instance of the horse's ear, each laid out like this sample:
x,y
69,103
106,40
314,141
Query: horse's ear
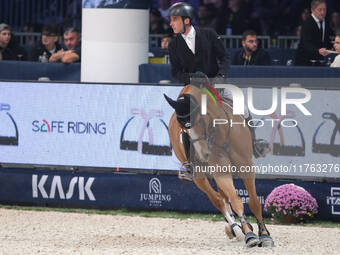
x,y
171,102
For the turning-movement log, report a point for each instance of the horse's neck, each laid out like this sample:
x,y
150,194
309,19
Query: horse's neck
x,y
192,90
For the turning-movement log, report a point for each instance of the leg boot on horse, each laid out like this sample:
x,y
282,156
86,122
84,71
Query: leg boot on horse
x,y
218,199
230,141
255,207
227,185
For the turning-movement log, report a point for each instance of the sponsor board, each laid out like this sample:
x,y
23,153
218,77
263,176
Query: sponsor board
x,y
334,200
139,191
125,126
57,190
155,197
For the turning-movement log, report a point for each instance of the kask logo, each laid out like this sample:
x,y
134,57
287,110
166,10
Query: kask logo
x,y
48,188
9,134
70,127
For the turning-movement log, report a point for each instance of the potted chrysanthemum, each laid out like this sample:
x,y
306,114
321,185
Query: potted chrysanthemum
x,y
290,203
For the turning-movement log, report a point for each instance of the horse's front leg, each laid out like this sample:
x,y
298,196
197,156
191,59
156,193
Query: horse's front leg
x,y
254,203
218,199
231,229
255,207
215,198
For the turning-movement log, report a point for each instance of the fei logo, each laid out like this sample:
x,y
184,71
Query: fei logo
x,y
155,195
334,200
238,100
84,187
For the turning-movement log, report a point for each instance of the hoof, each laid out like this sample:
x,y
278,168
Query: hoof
x,y
266,242
251,240
237,231
228,231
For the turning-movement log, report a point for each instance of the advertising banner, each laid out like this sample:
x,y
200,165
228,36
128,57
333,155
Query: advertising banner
x,y
92,125
139,191
126,126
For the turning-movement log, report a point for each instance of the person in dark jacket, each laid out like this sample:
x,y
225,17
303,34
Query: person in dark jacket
x,y
194,49
251,54
72,51
9,50
199,50
315,35
48,45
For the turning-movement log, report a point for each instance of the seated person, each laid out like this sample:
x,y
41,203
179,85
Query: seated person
x,y
48,45
250,54
72,53
166,39
9,50
336,62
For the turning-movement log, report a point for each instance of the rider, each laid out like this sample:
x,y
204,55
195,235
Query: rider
x,y
199,50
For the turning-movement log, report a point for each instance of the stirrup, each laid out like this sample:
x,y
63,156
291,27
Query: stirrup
x,y
186,172
260,148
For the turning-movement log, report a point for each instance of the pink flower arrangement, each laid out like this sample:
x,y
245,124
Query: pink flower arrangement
x,y
291,200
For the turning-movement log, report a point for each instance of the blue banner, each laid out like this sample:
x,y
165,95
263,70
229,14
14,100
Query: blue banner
x,y
139,191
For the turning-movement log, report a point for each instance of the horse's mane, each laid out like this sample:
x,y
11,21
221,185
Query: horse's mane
x,y
219,110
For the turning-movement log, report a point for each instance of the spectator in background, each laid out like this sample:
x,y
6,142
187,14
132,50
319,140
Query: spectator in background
x,y
166,39
335,22
72,53
9,50
235,20
251,54
289,16
314,36
295,44
206,16
157,23
164,6
220,8
48,45
266,14
336,62
304,15
28,40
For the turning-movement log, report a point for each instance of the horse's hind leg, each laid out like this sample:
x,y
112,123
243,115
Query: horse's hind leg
x,y
255,207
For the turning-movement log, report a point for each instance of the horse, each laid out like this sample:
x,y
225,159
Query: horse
x,y
222,145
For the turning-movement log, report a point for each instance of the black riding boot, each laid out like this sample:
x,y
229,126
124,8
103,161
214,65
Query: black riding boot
x,y
187,171
260,146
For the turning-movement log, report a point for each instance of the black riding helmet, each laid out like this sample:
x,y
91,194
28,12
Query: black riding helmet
x,y
183,10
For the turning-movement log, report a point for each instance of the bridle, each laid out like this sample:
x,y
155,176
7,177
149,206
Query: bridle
x,y
194,115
